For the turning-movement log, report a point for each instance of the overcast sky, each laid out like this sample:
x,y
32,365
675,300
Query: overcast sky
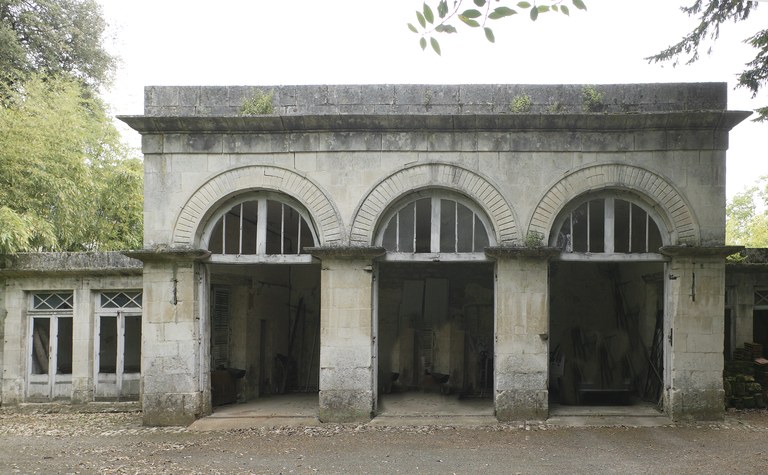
x,y
250,42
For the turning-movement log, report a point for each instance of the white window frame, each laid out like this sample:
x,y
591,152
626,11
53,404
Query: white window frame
x,y
261,257
58,385
120,376
608,254
760,296
435,255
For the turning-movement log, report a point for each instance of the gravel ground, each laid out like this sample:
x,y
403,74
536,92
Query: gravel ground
x,y
116,443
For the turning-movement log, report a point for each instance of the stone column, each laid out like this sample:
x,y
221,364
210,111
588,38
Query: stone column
x,y
346,333
522,326
694,294
175,387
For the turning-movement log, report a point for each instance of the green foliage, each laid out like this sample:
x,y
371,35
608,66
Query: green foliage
x,y
521,104
534,239
480,15
54,37
591,99
746,221
556,107
66,181
258,104
711,15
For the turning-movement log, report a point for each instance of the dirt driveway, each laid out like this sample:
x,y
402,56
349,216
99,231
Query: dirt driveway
x,y
117,443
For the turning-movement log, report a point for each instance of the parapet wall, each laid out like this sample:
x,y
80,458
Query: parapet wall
x,y
188,101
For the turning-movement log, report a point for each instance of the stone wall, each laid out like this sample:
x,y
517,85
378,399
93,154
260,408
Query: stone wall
x,y
86,275
348,154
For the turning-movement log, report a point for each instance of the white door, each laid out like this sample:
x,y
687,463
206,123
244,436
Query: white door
x,y
50,359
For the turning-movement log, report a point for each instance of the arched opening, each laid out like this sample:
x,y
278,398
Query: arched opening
x,y
435,307
264,303
606,303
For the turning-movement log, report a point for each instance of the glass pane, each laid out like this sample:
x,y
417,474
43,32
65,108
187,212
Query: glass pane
x,y
466,218
306,236
250,220
597,225
639,217
447,226
388,241
423,225
579,238
481,236
654,237
621,226
214,243
291,231
274,226
64,346
406,228
132,358
52,301
108,345
232,245
40,343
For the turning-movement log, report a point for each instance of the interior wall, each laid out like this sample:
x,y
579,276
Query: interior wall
x,y
436,322
602,325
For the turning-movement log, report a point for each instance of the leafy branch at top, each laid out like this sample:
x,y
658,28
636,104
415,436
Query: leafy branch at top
x,y
712,14
477,16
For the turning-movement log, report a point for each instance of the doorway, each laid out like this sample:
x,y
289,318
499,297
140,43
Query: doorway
x,y
265,331
606,333
435,337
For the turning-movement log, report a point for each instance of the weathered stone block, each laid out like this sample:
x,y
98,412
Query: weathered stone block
x,y
345,406
522,405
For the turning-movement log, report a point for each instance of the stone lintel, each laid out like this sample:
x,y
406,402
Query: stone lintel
x,y
516,252
699,251
169,255
68,263
346,252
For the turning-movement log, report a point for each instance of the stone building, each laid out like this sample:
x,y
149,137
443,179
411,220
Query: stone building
x,y
520,245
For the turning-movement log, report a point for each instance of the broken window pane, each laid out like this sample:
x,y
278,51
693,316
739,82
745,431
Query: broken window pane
x,y
64,346
40,344
108,345
389,241
406,228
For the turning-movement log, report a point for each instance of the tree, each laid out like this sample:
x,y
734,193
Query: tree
x,y
747,216
478,16
66,180
54,37
711,15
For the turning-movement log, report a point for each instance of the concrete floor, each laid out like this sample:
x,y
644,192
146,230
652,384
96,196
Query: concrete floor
x,y
417,408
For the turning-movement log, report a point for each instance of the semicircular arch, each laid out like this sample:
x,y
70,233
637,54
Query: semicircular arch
x,y
206,200
434,175
656,190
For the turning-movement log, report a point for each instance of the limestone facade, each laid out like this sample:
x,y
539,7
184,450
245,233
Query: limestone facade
x,y
356,239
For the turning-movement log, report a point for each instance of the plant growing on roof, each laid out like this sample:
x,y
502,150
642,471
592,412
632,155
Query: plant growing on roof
x,y
591,99
260,103
521,104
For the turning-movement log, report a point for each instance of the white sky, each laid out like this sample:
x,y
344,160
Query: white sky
x,y
252,42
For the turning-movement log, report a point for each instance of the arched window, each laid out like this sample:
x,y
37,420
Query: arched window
x,y
259,226
609,224
435,224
